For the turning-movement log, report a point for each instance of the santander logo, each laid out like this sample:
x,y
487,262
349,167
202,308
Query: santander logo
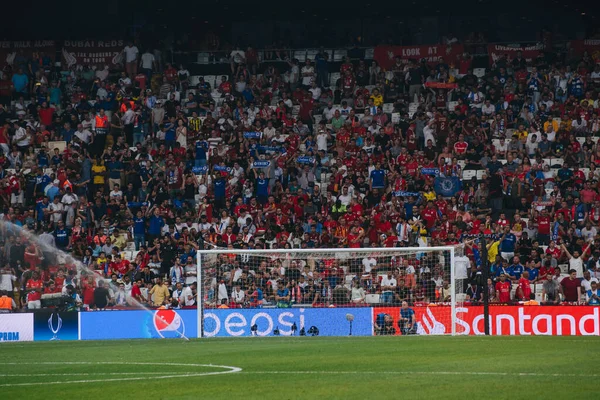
x,y
511,320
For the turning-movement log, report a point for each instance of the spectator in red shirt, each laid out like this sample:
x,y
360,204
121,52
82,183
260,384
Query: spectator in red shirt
x,y
503,289
571,287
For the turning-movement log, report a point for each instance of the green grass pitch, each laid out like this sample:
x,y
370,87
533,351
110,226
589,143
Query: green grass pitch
x,y
305,368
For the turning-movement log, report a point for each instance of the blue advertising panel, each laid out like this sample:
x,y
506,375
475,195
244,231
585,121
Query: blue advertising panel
x,y
55,325
328,321
156,324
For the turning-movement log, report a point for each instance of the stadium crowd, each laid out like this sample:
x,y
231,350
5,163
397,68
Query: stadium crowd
x,y
133,171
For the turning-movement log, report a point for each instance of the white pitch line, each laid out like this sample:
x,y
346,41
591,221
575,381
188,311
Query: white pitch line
x,y
229,370
87,374
422,373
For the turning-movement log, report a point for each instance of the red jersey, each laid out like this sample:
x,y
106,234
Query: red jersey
x,y
525,286
430,216
543,225
503,289
460,147
32,285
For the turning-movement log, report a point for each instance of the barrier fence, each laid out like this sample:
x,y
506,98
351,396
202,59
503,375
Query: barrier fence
x,y
139,324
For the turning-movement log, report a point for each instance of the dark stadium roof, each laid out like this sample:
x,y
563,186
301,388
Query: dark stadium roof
x,y
97,17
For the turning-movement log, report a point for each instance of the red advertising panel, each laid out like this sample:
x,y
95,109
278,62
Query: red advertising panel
x,y
591,46
10,49
495,51
504,320
386,55
92,52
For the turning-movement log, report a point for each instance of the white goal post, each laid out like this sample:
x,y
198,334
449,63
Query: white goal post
x,y
214,277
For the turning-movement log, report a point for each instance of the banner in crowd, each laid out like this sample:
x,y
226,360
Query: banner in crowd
x,y
200,170
305,160
386,55
495,51
261,164
10,49
324,322
447,186
252,135
16,327
93,52
402,193
151,324
504,320
591,46
49,325
430,171
441,85
222,168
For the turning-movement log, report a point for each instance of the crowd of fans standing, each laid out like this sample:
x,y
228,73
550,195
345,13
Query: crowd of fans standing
x,y
97,162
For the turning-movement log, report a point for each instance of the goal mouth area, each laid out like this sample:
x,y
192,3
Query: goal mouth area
x,y
324,278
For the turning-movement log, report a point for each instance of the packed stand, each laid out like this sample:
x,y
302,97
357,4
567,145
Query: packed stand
x,y
133,172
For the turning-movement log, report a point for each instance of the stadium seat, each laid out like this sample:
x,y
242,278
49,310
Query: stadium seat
x,y
203,58
388,108
469,174
395,118
372,299
479,72
556,161
480,174
452,105
580,139
586,171
317,118
194,80
300,55
503,161
462,163
333,78
338,55
60,145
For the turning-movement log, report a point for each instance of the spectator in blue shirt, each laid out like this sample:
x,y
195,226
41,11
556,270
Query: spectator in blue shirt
x,y
516,269
283,296
507,245
156,224
20,82
377,177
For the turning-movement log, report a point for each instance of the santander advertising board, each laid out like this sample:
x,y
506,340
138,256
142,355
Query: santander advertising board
x,y
506,320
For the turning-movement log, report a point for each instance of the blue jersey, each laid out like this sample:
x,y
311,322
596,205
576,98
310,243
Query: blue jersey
x,y
407,313
156,224
516,270
593,301
42,182
201,148
533,273
378,178
139,226
43,160
40,207
508,244
262,187
61,237
219,188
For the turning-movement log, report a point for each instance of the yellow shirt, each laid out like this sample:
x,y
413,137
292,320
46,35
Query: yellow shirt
x,y
554,125
98,172
377,100
429,196
118,241
522,134
160,294
493,251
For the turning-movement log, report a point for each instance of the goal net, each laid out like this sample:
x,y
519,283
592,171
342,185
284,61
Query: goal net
x,y
381,291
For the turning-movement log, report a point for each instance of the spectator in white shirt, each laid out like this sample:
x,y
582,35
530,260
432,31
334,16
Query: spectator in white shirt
x,y
131,54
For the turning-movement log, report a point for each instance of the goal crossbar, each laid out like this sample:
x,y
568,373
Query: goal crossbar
x,y
267,252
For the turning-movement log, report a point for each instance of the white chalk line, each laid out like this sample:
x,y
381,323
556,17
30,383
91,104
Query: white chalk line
x,y
228,370
421,373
